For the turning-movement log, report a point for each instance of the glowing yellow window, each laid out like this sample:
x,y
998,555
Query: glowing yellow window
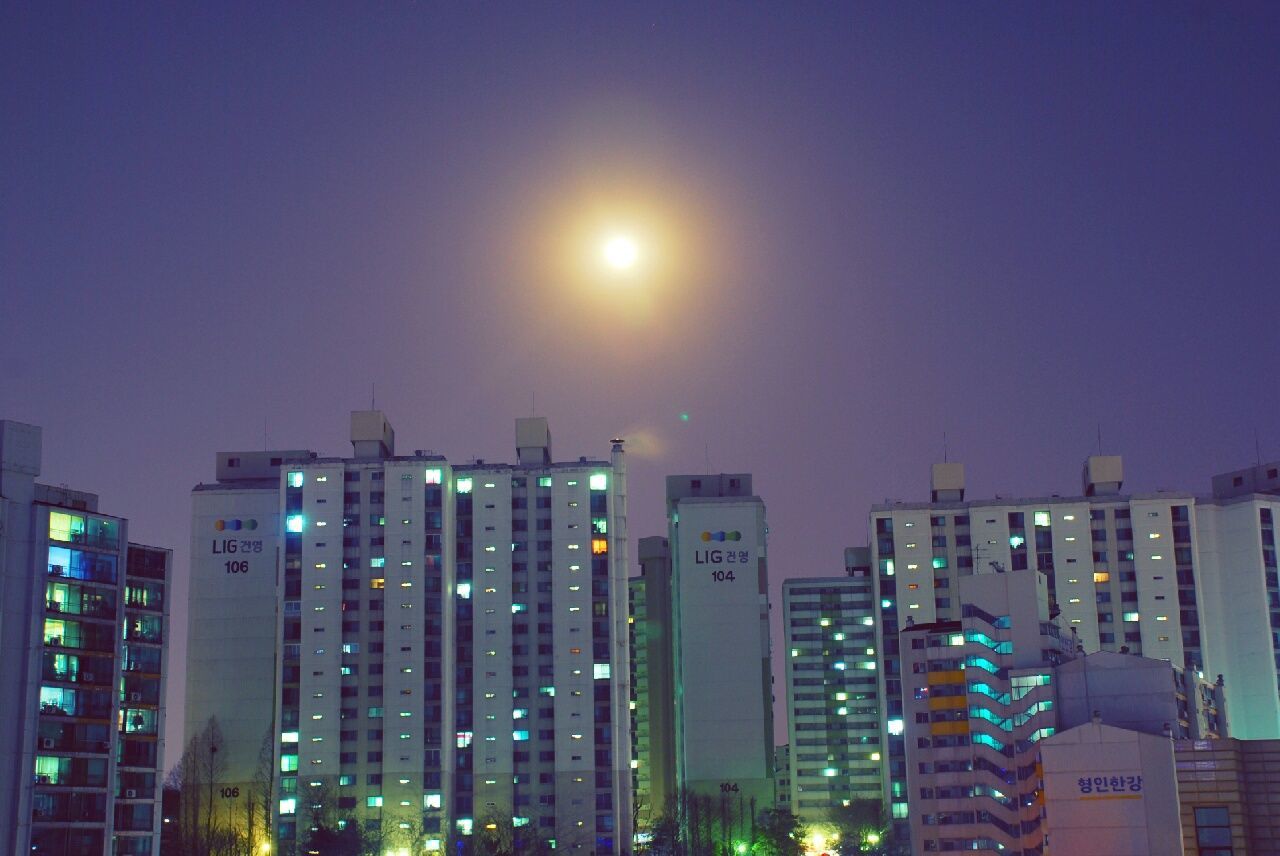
x,y
377,582
599,545
1101,576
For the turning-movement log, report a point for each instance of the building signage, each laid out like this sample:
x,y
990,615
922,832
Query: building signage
x,y
1110,787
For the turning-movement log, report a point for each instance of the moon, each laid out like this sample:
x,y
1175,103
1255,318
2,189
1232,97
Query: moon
x,y
621,252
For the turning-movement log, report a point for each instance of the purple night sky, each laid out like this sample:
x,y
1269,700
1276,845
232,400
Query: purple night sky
x,y
868,224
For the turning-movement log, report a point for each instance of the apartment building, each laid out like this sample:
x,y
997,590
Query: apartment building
x,y
451,647
1167,575
723,682
83,621
833,690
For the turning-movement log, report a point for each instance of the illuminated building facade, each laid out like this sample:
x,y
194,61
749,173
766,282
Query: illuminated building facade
x,y
652,689
720,619
452,643
1168,575
833,690
83,622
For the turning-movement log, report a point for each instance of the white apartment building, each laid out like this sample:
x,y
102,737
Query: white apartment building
x,y
836,743
1167,575
723,684
451,641
83,625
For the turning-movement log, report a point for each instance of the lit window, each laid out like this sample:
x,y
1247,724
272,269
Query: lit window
x,y
894,727
1130,616
1101,576
464,590
491,549
1068,517
289,737
1153,535
599,545
1016,541
939,562
544,481
373,802
464,739
294,523
830,771
601,672
599,481
289,805
378,562
1041,518
432,801
519,735
490,484
295,479
433,476
1074,600
1162,618
288,763
377,582
519,607
464,485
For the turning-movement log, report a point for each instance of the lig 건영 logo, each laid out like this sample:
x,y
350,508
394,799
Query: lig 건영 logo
x,y
234,525
721,536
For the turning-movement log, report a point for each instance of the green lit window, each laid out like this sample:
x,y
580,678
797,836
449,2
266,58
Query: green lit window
x,y
464,485
1016,541
939,562
295,479
373,802
1041,518
464,591
1130,616
288,763
601,671
289,805
547,691
544,481
599,526
433,476
294,523
375,713
519,607
66,527
599,481
519,735
378,562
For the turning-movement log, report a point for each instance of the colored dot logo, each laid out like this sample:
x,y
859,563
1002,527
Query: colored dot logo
x,y
234,525
721,536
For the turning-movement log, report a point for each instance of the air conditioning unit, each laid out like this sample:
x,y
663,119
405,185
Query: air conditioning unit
x,y
46,742
130,794
135,696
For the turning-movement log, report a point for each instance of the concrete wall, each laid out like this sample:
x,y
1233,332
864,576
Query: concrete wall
x,y
1135,813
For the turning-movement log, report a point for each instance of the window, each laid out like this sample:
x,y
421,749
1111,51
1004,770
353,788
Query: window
x,y
1213,830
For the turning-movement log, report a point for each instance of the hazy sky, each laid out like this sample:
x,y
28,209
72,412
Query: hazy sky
x,y
864,225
